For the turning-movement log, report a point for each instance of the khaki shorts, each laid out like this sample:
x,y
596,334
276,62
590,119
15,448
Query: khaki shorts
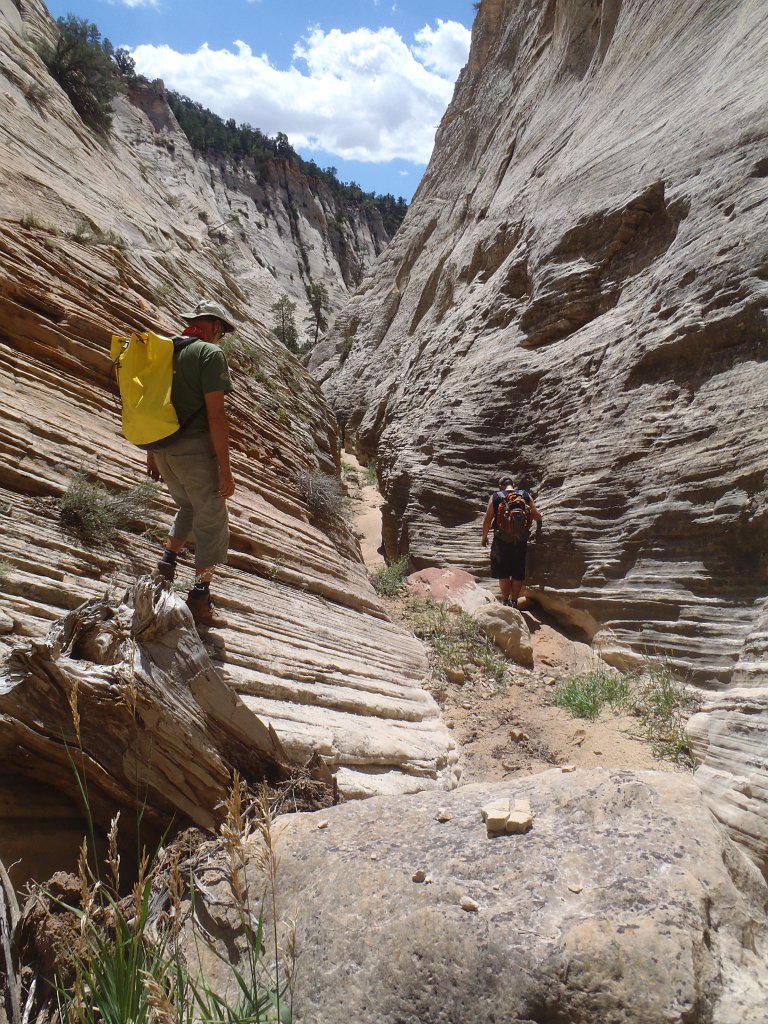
x,y
190,471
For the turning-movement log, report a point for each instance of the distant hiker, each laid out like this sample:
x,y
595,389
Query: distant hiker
x,y
510,512
194,462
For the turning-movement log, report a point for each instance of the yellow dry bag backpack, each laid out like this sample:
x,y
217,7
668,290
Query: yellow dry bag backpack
x,y
144,370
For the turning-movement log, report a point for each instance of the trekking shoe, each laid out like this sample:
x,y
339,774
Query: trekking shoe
x,y
204,613
166,569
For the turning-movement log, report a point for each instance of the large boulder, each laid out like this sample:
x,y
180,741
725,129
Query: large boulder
x,y
624,903
508,630
449,585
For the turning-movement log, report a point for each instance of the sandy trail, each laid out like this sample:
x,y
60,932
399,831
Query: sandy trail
x,y
367,515
516,730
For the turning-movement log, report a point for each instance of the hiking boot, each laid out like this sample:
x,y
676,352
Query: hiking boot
x,y
166,569
204,613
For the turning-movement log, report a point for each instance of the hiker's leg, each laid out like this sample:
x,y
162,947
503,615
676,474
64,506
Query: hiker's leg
x,y
517,571
199,600
499,566
181,527
193,462
196,461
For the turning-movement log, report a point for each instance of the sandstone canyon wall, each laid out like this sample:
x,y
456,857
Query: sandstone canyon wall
x,y
578,294
104,234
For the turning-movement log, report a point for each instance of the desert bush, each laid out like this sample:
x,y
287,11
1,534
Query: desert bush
x,y
456,639
585,695
389,579
95,514
29,220
322,493
5,568
663,703
84,68
36,96
371,479
656,696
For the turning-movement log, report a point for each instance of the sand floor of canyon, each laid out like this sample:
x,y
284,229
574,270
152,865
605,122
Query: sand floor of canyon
x,y
514,729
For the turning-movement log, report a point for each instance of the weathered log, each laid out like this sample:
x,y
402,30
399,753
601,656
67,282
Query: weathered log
x,y
123,701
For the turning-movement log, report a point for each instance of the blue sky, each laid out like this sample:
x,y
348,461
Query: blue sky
x,y
357,86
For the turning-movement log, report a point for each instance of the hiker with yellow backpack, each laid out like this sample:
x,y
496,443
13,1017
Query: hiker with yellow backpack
x,y
172,392
510,512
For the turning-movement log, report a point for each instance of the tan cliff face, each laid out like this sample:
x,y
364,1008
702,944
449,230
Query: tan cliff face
x,y
101,235
578,294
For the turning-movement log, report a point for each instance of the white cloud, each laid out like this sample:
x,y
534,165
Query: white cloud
x,y
361,95
444,49
137,3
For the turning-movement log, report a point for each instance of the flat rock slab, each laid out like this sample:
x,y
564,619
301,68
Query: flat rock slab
x,y
625,903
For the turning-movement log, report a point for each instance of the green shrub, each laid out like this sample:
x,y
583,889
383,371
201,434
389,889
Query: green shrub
x,y
663,703
455,639
388,579
83,66
83,232
36,96
29,220
656,696
587,694
371,479
94,514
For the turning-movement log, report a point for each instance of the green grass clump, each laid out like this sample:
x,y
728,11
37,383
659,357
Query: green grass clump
x,y
456,639
657,697
586,695
663,703
388,579
371,479
129,964
95,514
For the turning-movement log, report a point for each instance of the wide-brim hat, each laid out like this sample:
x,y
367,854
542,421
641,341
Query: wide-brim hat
x,y
208,308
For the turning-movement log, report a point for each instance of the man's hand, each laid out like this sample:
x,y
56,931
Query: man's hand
x,y
485,541
152,471
226,483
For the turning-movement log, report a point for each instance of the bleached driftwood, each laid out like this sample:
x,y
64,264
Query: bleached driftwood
x,y
123,699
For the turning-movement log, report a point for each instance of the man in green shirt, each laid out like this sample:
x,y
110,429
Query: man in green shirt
x,y
195,464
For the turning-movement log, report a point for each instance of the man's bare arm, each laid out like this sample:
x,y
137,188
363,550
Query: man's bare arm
x,y
218,424
487,521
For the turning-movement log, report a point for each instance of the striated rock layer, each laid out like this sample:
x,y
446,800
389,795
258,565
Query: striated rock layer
x,y
578,293
102,234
